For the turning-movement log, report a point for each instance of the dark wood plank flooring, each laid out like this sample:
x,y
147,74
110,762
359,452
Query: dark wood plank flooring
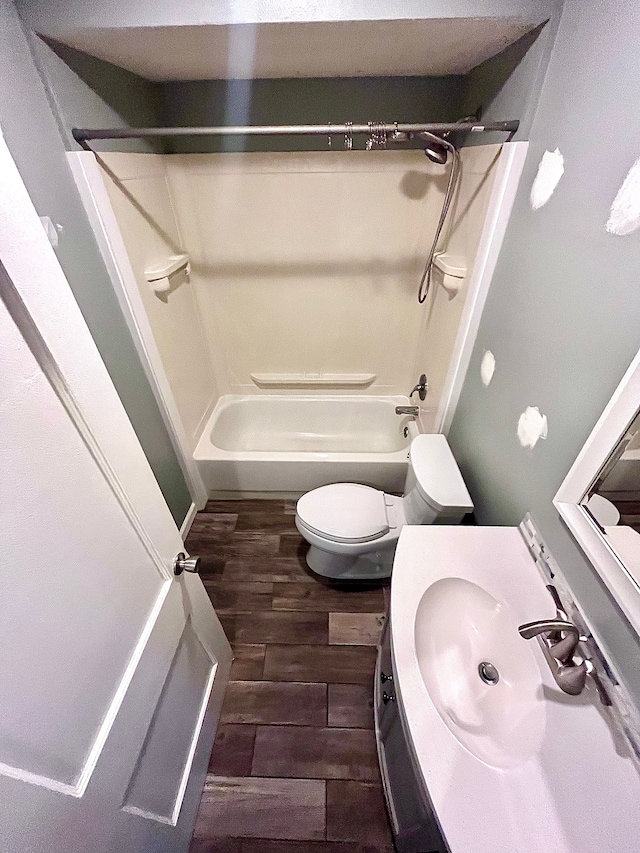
x,y
294,766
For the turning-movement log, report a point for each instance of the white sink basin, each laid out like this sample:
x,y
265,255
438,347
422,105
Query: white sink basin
x,y
481,676
503,765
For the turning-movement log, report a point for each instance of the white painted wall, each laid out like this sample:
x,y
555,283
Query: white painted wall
x,y
58,19
141,201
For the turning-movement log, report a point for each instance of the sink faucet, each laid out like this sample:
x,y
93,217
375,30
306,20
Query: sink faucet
x,y
559,640
560,648
414,411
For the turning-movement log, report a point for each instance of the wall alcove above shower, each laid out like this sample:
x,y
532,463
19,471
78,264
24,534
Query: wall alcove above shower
x,y
288,39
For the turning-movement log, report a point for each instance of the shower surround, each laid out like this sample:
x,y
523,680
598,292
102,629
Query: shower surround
x,y
303,277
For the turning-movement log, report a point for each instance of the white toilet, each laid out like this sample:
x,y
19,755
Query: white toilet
x,y
353,529
604,512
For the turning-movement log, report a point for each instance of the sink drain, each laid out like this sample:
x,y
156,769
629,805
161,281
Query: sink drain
x,y
488,673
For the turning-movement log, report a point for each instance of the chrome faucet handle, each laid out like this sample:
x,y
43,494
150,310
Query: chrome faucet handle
x,y
547,626
562,650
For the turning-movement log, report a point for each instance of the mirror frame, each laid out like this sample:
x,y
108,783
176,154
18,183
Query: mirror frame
x,y
622,408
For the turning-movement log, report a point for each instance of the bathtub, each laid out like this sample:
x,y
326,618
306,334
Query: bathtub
x,y
284,445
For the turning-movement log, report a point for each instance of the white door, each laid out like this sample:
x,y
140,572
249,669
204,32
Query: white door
x,y
112,669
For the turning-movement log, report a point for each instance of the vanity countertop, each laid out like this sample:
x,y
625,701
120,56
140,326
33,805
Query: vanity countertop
x,y
580,791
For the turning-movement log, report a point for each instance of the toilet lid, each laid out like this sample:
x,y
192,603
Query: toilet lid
x,y
604,512
438,477
344,512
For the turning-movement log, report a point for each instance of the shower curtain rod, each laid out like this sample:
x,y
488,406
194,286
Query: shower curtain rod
x,y
82,134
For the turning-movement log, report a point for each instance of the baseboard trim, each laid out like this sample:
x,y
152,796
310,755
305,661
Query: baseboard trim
x,y
239,495
185,527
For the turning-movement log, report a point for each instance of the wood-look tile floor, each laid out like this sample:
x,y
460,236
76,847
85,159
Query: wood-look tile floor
x,y
294,767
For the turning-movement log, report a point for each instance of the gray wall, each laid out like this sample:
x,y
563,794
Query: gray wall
x,y
563,313
304,101
86,92
30,130
508,85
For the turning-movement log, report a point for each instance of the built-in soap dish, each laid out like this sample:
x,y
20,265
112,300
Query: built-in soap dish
x,y
453,269
159,277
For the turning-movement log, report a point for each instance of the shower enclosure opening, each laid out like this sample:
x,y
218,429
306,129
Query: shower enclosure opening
x,y
272,295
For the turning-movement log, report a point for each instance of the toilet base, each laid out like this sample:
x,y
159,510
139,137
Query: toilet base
x,y
372,566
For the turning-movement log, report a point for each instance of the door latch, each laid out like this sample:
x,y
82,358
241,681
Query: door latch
x,y
182,563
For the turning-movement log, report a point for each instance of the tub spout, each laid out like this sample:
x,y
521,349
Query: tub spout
x,y
414,411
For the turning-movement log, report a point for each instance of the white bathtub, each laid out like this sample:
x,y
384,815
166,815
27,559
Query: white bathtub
x,y
284,445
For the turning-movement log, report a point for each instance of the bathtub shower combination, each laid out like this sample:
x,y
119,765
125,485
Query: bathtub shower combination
x,y
277,317
272,445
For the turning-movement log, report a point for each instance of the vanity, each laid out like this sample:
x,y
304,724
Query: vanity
x,y
480,750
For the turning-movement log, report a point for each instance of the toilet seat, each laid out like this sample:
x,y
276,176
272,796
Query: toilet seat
x,y
344,512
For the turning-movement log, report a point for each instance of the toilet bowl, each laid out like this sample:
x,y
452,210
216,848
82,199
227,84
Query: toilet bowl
x,y
353,529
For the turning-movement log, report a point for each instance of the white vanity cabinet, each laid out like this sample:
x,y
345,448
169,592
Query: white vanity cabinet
x,y
413,821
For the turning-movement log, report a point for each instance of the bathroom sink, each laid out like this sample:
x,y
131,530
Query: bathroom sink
x,y
481,676
502,763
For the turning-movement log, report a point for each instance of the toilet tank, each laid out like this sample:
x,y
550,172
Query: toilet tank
x,y
434,491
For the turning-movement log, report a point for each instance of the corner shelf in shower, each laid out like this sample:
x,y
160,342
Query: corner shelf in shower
x,y
302,380
159,277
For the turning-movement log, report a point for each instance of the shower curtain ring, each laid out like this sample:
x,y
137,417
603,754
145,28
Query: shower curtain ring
x,y
370,141
348,136
329,135
377,135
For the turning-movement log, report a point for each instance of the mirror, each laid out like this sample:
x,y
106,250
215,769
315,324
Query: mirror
x,y
600,497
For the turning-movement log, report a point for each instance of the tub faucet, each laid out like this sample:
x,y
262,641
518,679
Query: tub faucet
x,y
422,387
559,640
414,411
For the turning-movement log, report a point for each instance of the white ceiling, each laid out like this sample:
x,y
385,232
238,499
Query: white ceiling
x,y
311,49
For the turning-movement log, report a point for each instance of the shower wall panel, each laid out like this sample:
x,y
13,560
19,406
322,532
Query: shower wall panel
x,y
141,201
301,263
308,262
442,312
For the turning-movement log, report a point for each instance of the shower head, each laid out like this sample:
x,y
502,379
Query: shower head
x,y
436,149
436,154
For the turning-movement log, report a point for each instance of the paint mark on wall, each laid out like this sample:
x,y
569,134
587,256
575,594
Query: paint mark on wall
x,y
624,216
532,426
487,368
550,170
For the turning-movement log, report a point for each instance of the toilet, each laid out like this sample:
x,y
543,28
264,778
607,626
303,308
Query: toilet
x,y
353,529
